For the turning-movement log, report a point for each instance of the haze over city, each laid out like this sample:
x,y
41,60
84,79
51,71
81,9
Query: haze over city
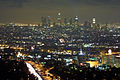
x,y
31,11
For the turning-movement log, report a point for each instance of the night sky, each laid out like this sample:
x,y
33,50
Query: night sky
x,y
30,11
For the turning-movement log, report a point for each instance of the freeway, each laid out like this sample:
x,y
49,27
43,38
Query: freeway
x,y
44,73
32,71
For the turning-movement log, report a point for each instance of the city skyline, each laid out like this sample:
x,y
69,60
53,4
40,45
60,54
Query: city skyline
x,y
31,11
59,40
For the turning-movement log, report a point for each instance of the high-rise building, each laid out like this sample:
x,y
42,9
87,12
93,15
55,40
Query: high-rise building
x,y
59,19
81,57
65,21
76,20
93,23
94,20
111,58
87,24
49,21
70,21
43,20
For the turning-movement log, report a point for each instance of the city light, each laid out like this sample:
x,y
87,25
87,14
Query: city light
x,y
109,52
59,40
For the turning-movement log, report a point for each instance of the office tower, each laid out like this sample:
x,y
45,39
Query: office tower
x,y
49,21
87,24
94,20
81,57
59,19
76,20
43,20
70,21
111,58
65,21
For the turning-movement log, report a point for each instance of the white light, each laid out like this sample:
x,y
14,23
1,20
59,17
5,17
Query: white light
x,y
38,56
94,21
118,56
30,56
48,56
19,54
109,51
38,42
32,48
59,14
81,52
76,18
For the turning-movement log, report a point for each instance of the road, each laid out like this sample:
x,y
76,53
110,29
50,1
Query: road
x,y
41,71
32,71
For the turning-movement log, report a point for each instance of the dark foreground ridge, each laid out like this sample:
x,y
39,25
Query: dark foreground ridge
x,y
14,70
17,70
74,72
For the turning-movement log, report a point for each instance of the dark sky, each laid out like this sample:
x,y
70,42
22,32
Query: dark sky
x,y
30,11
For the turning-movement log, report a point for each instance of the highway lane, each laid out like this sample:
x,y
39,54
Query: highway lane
x,y
32,71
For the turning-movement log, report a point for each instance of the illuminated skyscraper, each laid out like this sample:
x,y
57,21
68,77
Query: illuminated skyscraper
x,y
76,20
93,20
59,19
70,21
65,21
81,57
111,58
49,21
